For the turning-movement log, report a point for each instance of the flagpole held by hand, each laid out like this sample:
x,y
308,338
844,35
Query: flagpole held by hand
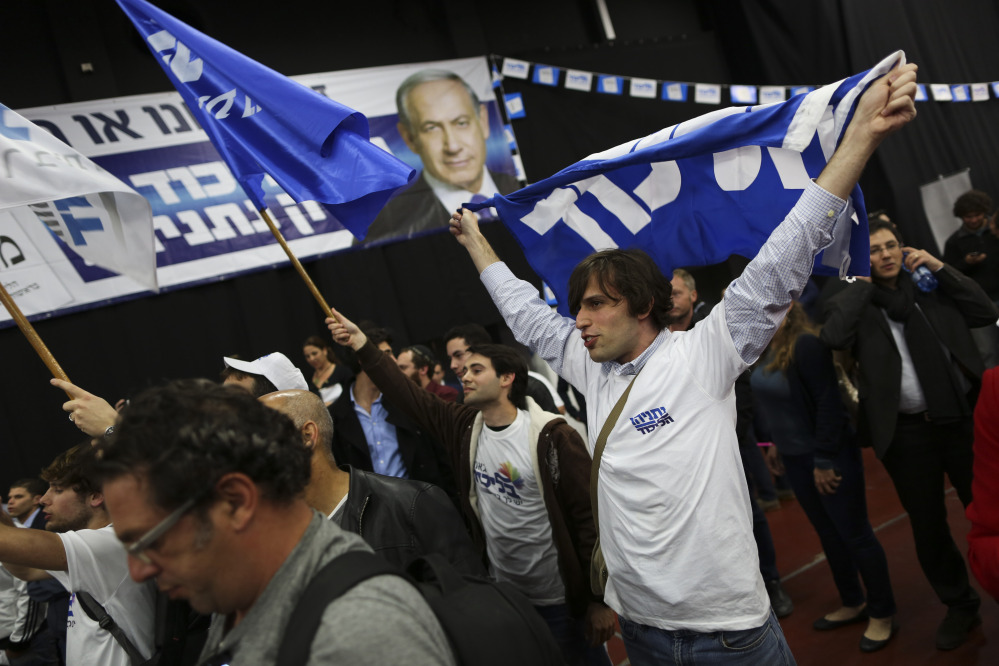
x,y
32,335
296,263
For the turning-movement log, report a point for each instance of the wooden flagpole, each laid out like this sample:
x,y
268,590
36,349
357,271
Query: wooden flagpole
x,y
53,365
296,263
29,332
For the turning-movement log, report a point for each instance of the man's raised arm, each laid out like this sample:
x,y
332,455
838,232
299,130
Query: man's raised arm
x,y
434,415
886,106
530,319
90,413
29,548
465,228
756,302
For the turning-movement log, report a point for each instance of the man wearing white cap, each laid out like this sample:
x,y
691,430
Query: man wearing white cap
x,y
273,372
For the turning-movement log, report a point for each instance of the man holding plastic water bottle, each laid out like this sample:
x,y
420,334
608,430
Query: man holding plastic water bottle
x,y
908,327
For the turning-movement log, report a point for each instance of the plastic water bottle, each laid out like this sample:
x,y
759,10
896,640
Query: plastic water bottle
x,y
923,278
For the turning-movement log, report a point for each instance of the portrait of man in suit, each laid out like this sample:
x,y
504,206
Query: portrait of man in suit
x,y
442,120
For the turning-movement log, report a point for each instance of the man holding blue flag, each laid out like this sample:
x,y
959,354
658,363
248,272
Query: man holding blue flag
x,y
672,506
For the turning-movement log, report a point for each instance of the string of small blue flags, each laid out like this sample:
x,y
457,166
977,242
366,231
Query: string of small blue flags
x,y
686,91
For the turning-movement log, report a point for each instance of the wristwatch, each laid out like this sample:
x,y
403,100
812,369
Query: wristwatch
x,y
109,432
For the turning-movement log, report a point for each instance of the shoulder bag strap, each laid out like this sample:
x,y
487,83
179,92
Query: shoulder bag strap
x,y
333,580
97,613
598,448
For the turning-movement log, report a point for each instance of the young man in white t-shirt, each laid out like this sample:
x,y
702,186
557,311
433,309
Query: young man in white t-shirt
x,y
672,502
80,550
523,479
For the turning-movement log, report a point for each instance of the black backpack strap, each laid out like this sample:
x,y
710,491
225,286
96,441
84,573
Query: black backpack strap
x,y
333,580
97,613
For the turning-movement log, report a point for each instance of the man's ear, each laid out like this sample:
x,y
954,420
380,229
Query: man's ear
x,y
645,315
95,500
310,435
693,295
240,498
506,379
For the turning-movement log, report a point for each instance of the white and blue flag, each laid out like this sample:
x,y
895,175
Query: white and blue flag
x,y
93,213
263,123
695,193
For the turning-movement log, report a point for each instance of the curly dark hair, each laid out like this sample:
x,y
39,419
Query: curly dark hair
x,y
183,437
73,469
632,274
972,202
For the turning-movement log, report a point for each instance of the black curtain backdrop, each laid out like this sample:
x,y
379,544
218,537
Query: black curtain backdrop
x,y
422,287
789,42
418,289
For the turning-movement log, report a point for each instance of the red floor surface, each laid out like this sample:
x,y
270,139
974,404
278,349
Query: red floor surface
x,y
807,579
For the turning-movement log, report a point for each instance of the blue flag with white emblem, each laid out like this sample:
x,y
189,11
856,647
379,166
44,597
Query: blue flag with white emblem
x,y
695,193
263,123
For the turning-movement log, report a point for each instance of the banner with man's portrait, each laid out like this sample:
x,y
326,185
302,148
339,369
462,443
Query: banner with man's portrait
x,y
442,118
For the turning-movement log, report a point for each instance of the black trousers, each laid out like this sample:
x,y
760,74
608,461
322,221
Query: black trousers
x,y
920,454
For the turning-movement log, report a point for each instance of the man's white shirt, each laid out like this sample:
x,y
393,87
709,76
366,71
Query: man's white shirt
x,y
97,563
519,538
675,518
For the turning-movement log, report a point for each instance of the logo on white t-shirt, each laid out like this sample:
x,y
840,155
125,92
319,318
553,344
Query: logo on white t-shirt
x,y
69,614
503,483
648,421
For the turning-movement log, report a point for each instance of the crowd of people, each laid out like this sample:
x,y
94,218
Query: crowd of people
x,y
236,500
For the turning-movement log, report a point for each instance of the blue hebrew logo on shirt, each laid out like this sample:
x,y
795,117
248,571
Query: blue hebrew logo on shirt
x,y
647,421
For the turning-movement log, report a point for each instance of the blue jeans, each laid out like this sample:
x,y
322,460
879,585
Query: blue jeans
x,y
651,646
568,633
848,540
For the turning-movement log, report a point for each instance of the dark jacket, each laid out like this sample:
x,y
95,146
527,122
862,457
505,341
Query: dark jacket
x,y
986,273
563,468
403,520
417,210
425,460
853,322
814,389
38,522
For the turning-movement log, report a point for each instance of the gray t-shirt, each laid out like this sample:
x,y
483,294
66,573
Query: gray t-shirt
x,y
382,620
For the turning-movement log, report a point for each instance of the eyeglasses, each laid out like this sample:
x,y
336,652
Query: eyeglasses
x,y
137,549
890,246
